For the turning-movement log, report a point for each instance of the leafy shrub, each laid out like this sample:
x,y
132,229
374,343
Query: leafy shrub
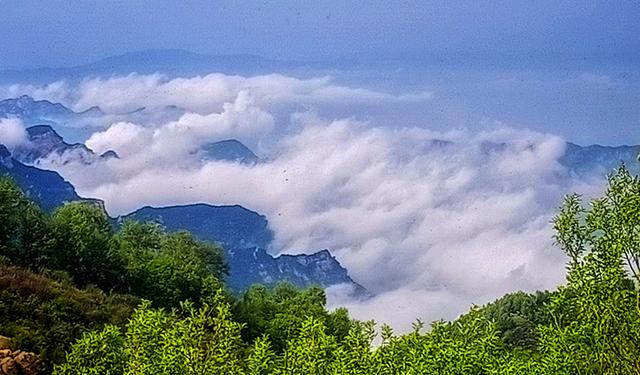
x,y
47,316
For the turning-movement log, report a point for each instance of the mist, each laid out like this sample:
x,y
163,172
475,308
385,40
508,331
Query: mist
x,y
429,220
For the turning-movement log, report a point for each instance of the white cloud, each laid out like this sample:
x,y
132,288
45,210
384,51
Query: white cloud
x,y
454,224
200,94
12,132
430,221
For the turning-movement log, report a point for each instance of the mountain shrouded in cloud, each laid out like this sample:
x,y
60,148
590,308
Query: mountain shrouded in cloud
x,y
428,221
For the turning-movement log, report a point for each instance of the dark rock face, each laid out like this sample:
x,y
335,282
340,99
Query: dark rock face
x,y
46,188
5,155
244,236
319,268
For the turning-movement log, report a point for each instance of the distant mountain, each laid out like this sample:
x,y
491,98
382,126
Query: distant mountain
x,y
166,61
229,150
245,235
74,125
26,107
44,141
46,188
585,160
33,111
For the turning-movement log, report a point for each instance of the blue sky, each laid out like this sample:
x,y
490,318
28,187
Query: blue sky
x,y
59,33
566,67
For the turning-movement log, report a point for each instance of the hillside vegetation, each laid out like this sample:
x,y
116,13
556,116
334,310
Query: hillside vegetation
x,y
139,300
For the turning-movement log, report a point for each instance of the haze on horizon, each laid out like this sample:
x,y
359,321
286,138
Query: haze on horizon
x,y
555,66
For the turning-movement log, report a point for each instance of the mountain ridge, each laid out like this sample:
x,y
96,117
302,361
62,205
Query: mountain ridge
x,y
47,188
43,141
245,236
151,61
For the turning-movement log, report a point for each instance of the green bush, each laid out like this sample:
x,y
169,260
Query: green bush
x,y
591,325
46,316
155,342
280,313
168,268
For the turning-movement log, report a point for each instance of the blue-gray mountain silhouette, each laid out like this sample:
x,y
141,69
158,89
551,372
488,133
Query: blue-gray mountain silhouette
x,y
33,111
47,188
44,141
171,62
229,150
585,160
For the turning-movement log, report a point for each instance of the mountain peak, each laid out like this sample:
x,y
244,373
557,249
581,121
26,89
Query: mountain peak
x,y
33,111
26,101
229,150
44,141
586,160
245,235
47,188
110,154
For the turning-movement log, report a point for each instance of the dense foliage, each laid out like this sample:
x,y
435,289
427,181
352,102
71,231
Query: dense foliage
x,y
46,313
88,274
78,238
168,268
281,312
590,325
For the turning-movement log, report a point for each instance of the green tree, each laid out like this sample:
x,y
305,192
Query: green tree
x,y
280,313
86,248
98,352
595,318
26,234
261,359
310,353
169,268
517,317
354,355
191,341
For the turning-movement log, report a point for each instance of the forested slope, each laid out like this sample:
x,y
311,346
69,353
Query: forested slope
x,y
71,267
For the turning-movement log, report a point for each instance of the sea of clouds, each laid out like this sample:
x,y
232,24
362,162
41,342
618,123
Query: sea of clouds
x,y
429,221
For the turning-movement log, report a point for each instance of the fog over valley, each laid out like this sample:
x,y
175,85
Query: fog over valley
x,y
428,220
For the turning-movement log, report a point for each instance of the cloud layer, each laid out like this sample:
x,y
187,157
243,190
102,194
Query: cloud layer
x,y
429,221
200,94
12,132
